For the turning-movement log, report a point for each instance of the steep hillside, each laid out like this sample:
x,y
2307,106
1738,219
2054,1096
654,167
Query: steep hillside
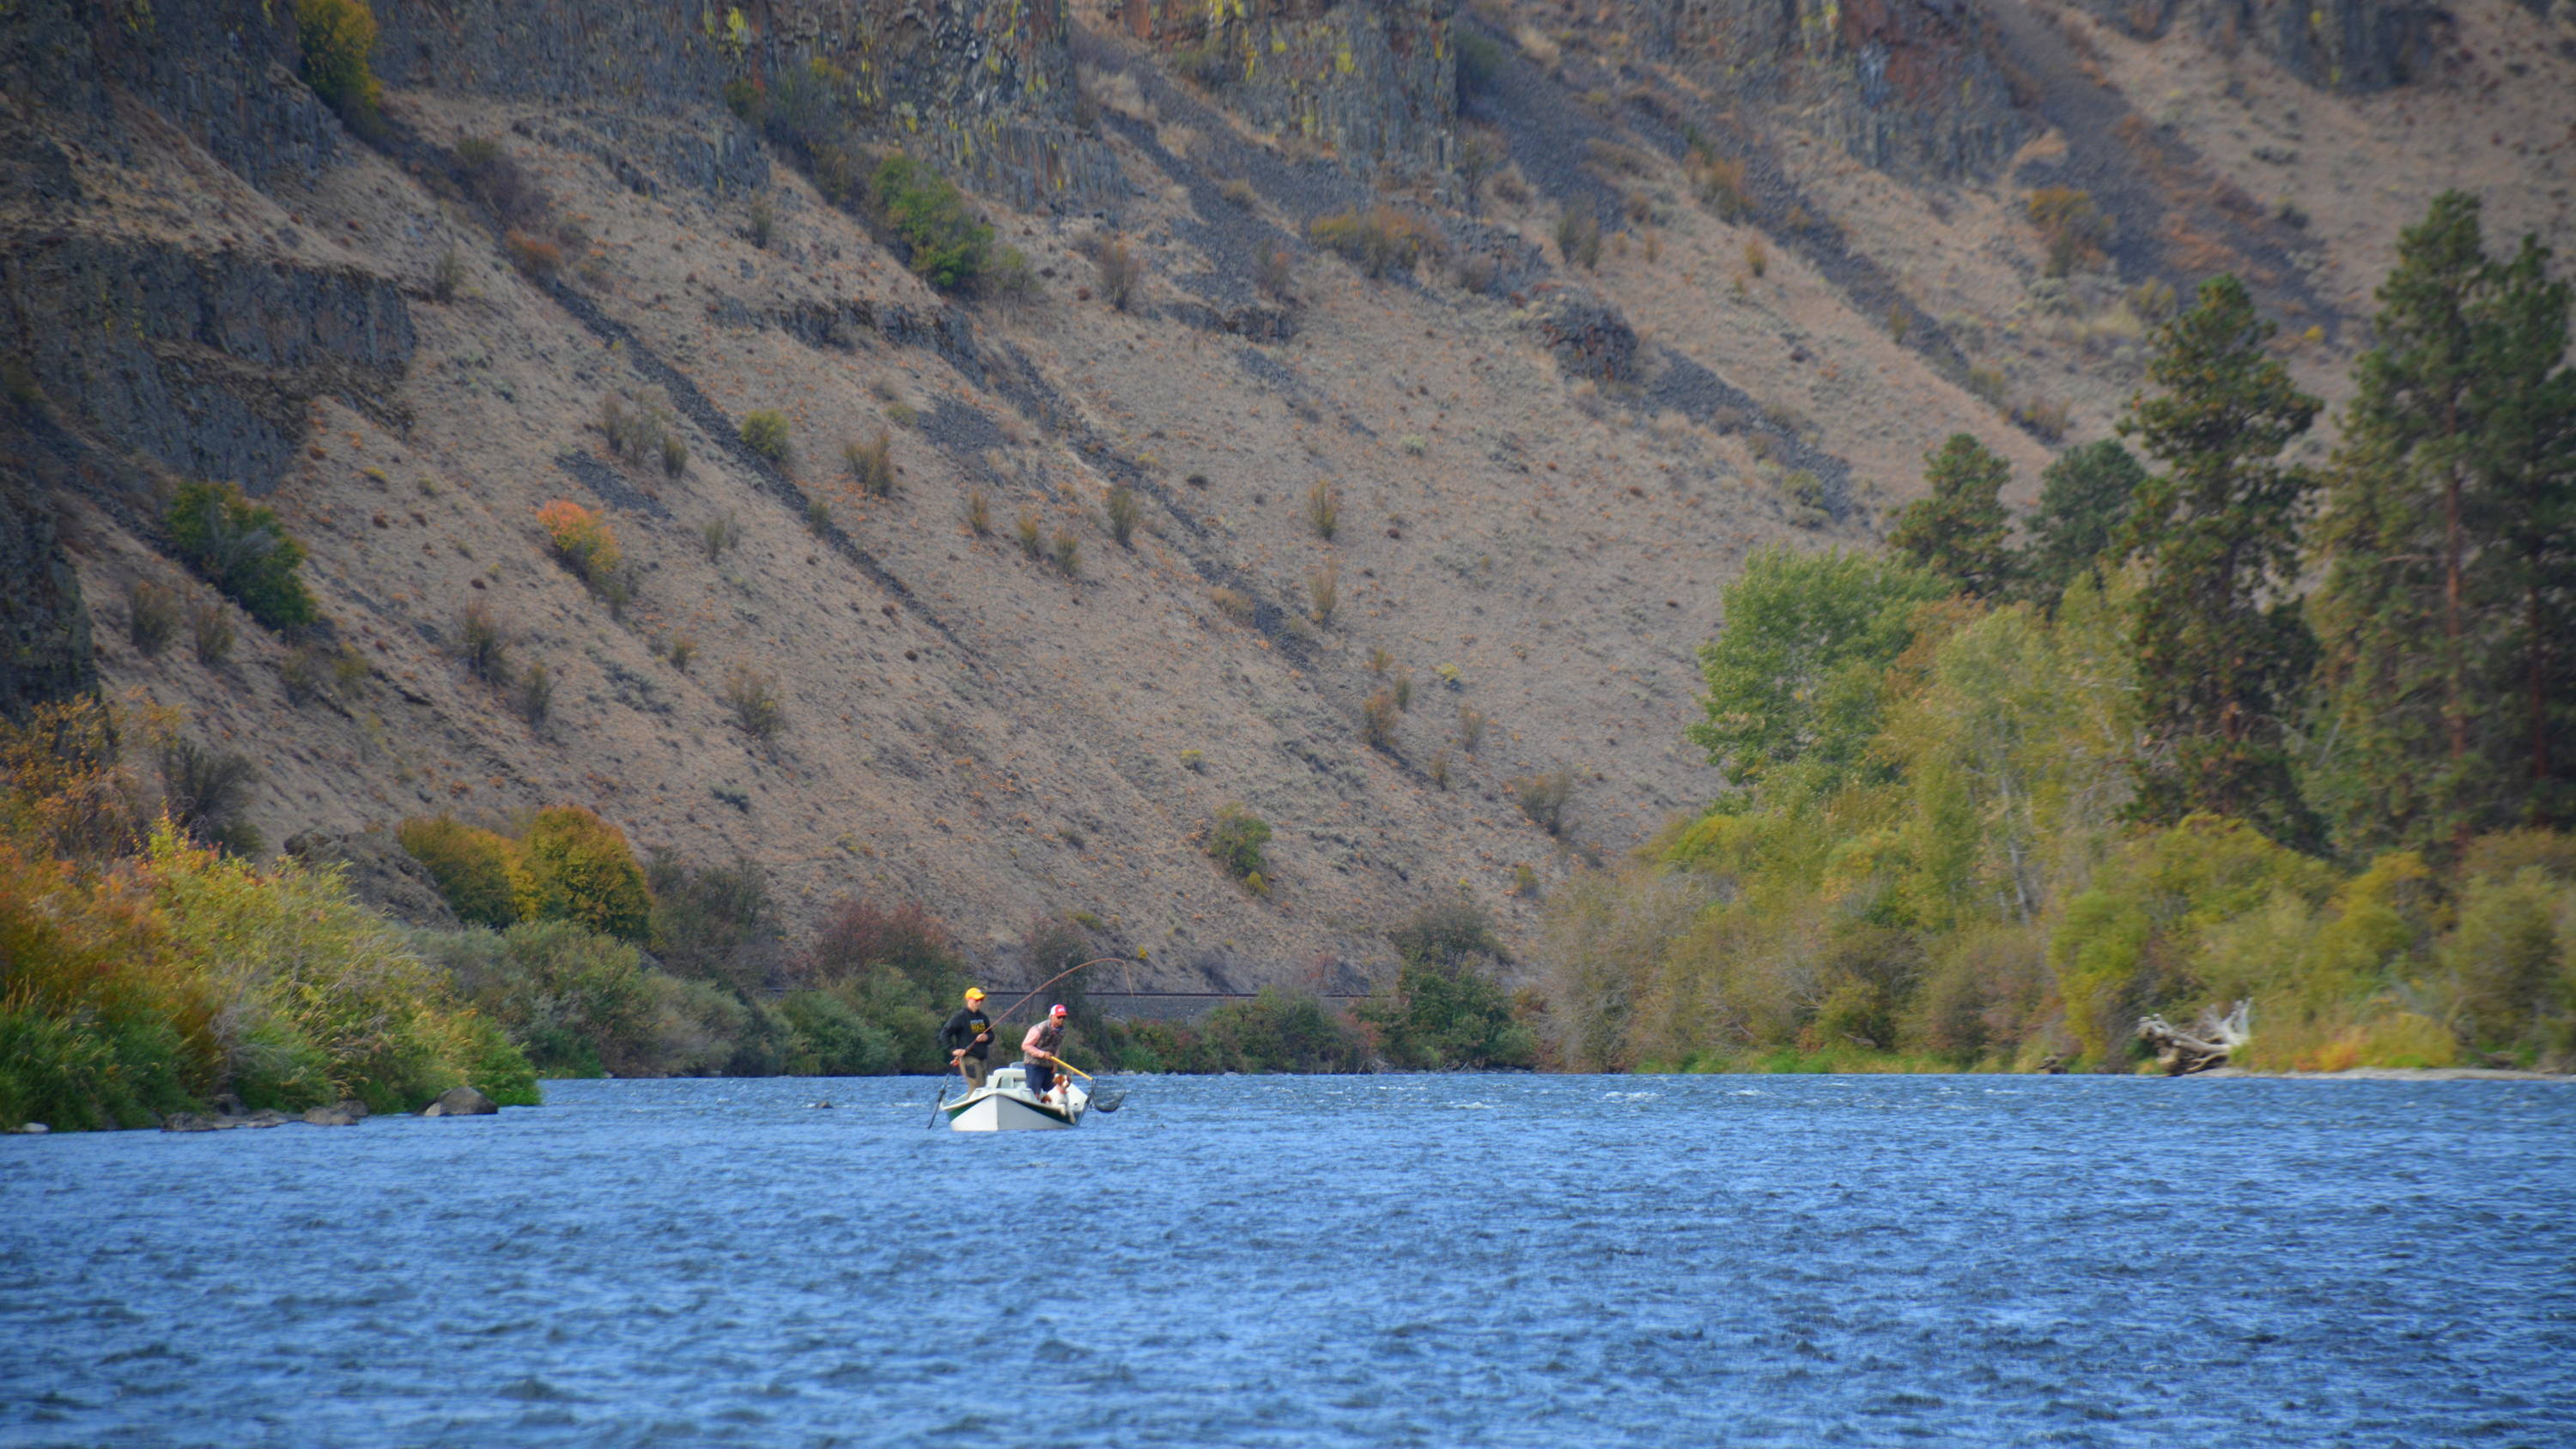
x,y
1813,261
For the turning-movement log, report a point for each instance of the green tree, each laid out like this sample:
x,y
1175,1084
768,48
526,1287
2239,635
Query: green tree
x,y
1446,1009
241,548
2084,501
2405,516
2444,546
2527,395
2223,650
1959,532
335,38
946,245
579,868
1795,675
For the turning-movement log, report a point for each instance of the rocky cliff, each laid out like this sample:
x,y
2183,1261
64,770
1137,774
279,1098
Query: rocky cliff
x,y
1401,534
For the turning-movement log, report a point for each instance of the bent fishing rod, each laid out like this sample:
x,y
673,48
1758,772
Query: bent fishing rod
x,y
1050,981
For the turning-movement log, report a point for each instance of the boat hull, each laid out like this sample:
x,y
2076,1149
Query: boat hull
x,y
1005,1105
994,1110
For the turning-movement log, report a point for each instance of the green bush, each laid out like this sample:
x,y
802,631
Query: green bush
x,y
579,868
241,548
1446,1010
834,1040
577,1003
335,38
482,875
1378,241
764,431
944,242
711,922
1278,1031
318,999
1235,839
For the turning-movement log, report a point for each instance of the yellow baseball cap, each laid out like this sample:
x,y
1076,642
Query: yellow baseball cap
x,y
974,993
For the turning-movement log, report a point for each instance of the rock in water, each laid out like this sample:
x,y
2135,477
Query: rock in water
x,y
460,1102
189,1122
340,1114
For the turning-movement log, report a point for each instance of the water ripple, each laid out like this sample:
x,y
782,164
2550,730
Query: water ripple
x,y
1263,1261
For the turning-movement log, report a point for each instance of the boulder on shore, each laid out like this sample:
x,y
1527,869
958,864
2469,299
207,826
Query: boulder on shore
x,y
460,1102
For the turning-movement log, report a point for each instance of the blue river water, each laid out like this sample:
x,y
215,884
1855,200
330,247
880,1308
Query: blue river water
x,y
1429,1260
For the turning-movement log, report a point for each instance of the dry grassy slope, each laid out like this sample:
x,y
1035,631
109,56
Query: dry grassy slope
x,y
1005,742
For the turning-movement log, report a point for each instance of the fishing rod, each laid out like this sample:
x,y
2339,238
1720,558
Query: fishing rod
x,y
1050,981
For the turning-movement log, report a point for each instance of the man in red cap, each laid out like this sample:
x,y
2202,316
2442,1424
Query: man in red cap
x,y
1037,1049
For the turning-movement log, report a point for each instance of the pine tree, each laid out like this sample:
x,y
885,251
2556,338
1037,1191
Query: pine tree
x,y
2526,396
2447,550
2222,647
2405,513
2084,501
1957,534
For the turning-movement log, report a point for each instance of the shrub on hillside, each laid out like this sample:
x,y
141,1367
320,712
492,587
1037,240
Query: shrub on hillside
x,y
1542,798
151,616
1123,511
1377,241
335,38
943,241
579,868
871,464
501,183
1578,238
1235,840
1120,269
210,630
584,541
2072,227
753,697
242,549
480,873
764,431
205,790
894,972
481,645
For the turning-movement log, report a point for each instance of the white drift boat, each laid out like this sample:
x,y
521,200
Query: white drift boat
x,y
1005,1104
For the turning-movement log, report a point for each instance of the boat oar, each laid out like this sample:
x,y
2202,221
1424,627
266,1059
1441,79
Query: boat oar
x,y
936,1104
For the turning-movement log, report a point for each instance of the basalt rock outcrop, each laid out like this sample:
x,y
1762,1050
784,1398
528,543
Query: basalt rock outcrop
x,y
1374,80
984,86
2347,45
1911,86
44,628
222,71
203,361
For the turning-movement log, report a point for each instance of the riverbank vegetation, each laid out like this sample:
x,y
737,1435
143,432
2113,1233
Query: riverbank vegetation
x,y
1990,802
143,971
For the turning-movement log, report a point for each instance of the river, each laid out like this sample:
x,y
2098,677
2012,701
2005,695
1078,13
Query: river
x,y
1430,1260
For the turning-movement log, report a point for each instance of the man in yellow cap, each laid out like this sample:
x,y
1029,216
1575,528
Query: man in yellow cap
x,y
969,1038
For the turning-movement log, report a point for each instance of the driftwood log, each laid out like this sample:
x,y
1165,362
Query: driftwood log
x,y
2205,1045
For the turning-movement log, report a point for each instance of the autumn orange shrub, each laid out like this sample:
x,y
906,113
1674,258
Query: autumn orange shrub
x,y
582,539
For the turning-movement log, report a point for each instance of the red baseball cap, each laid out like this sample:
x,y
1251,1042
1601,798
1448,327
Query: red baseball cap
x,y
1058,1010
